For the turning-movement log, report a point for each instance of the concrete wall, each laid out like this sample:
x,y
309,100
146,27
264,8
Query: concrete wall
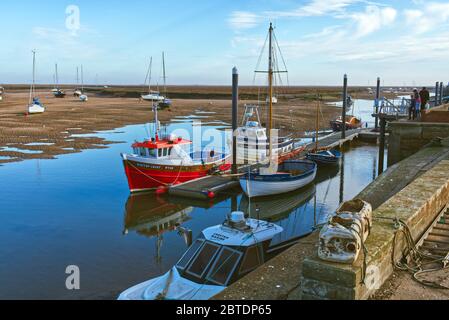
x,y
417,204
406,138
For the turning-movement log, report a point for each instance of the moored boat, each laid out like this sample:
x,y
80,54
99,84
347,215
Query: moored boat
x,y
291,175
221,255
325,156
34,105
163,161
351,122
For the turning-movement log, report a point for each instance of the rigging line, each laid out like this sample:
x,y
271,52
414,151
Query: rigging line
x,y
260,58
282,57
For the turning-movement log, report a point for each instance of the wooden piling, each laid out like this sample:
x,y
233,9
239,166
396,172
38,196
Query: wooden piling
x,y
345,104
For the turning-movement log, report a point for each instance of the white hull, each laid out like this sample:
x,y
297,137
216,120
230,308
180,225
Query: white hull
x,y
33,109
153,97
84,98
266,188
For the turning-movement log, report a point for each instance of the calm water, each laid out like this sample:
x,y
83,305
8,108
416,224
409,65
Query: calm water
x,y
76,210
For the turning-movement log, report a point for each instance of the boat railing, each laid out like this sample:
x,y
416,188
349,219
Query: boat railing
x,y
205,156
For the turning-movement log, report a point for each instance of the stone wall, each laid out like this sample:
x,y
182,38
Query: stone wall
x,y
407,138
418,205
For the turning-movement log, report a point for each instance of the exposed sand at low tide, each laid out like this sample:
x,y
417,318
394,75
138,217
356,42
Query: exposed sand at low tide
x,y
68,116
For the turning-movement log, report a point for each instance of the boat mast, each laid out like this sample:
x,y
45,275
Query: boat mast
x,y
149,78
77,77
317,122
82,79
270,84
56,76
34,76
164,76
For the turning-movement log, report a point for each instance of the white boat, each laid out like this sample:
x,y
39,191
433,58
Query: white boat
x,y
2,90
291,175
153,96
34,105
83,97
274,100
221,255
252,140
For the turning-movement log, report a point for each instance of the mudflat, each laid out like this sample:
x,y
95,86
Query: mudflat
x,y
44,136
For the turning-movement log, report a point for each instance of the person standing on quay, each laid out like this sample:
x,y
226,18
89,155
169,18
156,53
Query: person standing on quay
x,y
417,109
425,97
411,109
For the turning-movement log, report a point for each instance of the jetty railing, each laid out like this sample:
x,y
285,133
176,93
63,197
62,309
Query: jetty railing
x,y
397,107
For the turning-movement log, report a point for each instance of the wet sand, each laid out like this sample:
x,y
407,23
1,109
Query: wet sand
x,y
44,136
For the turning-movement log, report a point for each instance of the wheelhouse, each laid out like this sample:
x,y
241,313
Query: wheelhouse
x,y
207,262
157,149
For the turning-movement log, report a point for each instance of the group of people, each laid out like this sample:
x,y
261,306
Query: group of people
x,y
418,105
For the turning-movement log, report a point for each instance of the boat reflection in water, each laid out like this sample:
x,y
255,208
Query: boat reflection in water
x,y
294,212
152,216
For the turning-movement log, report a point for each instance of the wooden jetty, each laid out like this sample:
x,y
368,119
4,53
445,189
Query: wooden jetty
x,y
204,188
210,186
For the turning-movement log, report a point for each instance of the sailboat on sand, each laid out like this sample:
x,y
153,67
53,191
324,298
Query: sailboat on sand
x,y
34,104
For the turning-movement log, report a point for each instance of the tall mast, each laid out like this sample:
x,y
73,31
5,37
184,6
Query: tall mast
x,y
77,76
270,83
317,122
82,79
34,76
164,76
56,76
149,79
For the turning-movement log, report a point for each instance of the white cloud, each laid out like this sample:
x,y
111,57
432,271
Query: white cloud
x,y
373,19
243,20
428,18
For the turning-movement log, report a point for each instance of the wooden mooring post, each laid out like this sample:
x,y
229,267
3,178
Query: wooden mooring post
x,y
376,120
383,123
437,90
345,104
440,101
235,102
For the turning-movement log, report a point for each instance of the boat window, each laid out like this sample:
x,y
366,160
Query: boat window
x,y
260,133
136,150
203,259
159,153
224,266
251,260
143,152
169,151
152,153
184,261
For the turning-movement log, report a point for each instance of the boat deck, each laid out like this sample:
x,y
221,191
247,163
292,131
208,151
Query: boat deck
x,y
209,186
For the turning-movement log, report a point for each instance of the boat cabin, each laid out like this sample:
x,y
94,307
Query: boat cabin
x,y
225,253
160,149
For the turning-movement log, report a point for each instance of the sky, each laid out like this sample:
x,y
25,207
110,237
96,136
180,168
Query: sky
x,y
403,42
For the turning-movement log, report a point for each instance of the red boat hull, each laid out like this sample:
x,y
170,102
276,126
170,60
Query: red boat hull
x,y
142,176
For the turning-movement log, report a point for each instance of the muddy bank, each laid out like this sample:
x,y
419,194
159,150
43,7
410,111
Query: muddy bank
x,y
47,135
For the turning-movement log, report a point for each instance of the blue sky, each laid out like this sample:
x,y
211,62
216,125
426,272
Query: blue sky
x,y
403,42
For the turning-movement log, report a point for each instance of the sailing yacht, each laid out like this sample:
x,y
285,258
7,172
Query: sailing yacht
x,y
57,92
34,104
83,97
322,156
153,96
291,174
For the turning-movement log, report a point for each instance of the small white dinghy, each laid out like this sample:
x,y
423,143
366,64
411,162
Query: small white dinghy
x,y
34,105
221,255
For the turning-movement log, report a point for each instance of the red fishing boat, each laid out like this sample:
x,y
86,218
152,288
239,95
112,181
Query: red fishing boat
x,y
163,161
